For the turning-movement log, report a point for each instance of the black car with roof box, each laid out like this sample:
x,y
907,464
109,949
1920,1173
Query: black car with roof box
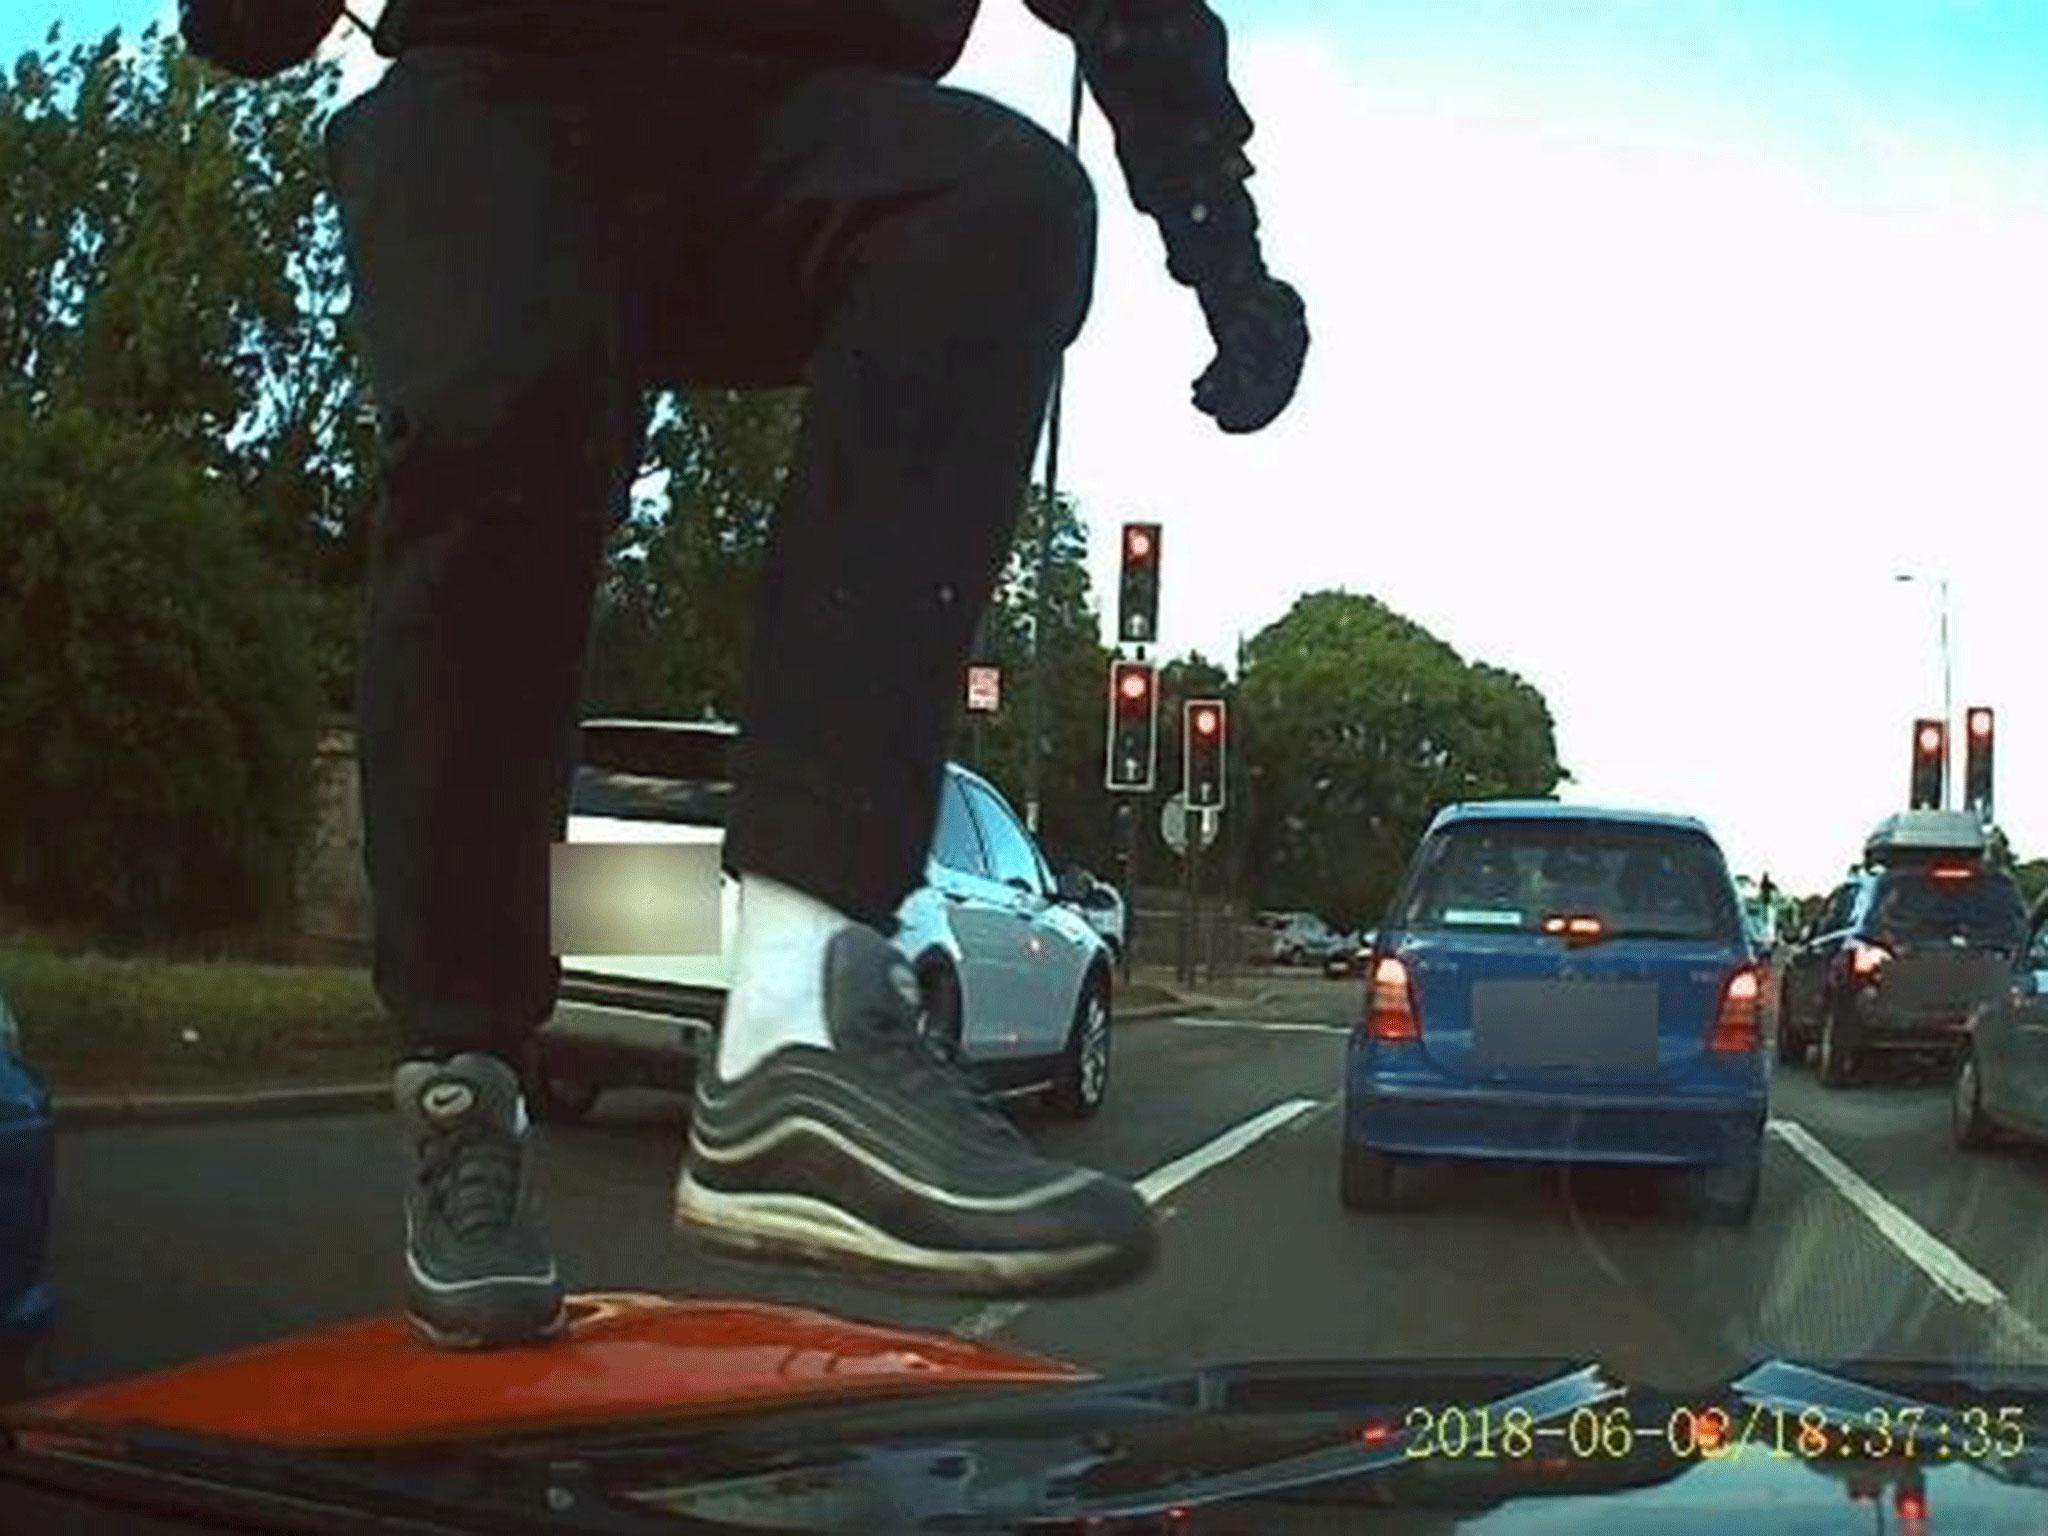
x,y
1917,937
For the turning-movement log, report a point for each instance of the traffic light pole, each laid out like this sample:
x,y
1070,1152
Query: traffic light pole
x,y
1034,749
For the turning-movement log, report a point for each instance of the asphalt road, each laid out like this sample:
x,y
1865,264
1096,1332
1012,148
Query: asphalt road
x,y
1874,1239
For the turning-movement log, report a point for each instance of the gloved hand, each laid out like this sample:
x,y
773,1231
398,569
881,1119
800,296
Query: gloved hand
x,y
256,39
1261,334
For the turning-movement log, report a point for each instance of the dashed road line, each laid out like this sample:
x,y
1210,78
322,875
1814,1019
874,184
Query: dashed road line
x,y
1951,1273
1157,1185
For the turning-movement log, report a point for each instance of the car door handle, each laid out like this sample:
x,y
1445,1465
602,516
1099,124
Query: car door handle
x,y
958,898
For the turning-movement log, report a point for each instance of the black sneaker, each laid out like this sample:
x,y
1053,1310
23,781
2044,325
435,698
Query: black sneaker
x,y
477,1270
878,1156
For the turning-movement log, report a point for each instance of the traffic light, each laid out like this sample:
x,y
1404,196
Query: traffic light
x,y
1930,764
1977,732
1204,729
1133,734
1137,611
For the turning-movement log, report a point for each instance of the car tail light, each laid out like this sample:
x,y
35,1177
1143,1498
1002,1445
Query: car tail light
x,y
1735,1026
1390,1005
1911,1504
1866,960
1953,872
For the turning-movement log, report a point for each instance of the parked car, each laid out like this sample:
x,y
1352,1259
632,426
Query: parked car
x,y
1350,955
1103,907
1906,949
2001,1077
1561,984
27,1170
1013,977
1299,938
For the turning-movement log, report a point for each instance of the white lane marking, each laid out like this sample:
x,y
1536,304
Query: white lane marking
x,y
1161,1182
1957,1278
1156,1186
1265,1024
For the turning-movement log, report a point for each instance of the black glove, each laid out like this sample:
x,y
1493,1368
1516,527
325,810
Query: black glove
x,y
256,39
1261,333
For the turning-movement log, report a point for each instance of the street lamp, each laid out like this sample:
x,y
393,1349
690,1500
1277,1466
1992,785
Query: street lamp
x,y
1947,686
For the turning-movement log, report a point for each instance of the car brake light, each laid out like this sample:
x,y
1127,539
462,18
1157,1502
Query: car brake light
x,y
1866,960
1735,1026
1911,1504
1952,872
1390,1006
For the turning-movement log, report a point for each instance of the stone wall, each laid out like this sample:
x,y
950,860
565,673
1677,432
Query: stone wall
x,y
334,896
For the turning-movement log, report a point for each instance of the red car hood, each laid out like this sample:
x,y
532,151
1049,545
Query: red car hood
x,y
626,1358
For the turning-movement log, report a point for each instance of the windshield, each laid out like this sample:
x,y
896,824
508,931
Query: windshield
x,y
1639,883
1145,684
1984,908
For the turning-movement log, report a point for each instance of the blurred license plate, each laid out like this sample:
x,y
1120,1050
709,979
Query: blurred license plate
x,y
1587,1024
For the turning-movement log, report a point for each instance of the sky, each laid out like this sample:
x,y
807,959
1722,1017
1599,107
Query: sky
x,y
1653,339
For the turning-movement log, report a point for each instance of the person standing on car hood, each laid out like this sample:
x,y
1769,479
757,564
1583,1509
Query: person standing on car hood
x,y
552,208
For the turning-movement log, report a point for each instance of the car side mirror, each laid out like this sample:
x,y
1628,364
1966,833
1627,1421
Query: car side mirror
x,y
1074,887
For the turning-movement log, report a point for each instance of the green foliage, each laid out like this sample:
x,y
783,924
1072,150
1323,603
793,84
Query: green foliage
x,y
156,737
1075,811
1358,726
677,600
2032,876
169,257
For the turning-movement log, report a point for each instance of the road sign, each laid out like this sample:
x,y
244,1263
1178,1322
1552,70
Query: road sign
x,y
984,689
1173,824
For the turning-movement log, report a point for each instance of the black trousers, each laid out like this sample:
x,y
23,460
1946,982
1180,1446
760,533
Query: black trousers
x,y
536,244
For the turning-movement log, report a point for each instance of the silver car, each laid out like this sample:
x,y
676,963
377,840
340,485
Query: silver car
x,y
1014,978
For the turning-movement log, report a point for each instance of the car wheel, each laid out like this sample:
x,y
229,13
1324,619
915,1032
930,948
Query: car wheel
x,y
1083,1080
938,1013
1837,1065
1967,1122
1725,1194
553,1099
1366,1178
1791,1044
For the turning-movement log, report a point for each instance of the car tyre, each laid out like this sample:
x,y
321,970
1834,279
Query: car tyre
x,y
1725,1194
1970,1127
553,1099
1366,1178
1836,1067
1083,1080
1791,1043
939,1014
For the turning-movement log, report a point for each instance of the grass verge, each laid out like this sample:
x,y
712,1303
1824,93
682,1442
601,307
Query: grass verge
x,y
95,1023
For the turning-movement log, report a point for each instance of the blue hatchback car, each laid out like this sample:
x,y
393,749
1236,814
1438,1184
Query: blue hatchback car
x,y
1565,984
27,1163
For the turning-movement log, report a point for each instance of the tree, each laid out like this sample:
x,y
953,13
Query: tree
x,y
158,711
1359,725
1075,815
168,257
676,603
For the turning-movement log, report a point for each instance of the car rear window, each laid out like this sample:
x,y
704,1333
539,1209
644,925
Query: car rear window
x,y
1641,882
1982,906
643,774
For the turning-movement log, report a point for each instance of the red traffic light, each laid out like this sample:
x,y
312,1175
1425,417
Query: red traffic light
x,y
1206,723
1980,723
1133,685
1138,542
1930,739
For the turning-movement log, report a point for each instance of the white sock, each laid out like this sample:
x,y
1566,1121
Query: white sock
x,y
777,994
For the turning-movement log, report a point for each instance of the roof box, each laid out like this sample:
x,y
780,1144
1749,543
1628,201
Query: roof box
x,y
1925,832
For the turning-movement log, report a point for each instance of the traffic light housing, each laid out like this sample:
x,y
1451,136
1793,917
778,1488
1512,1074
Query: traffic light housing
x,y
1137,609
1930,764
1978,727
1133,734
1205,729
